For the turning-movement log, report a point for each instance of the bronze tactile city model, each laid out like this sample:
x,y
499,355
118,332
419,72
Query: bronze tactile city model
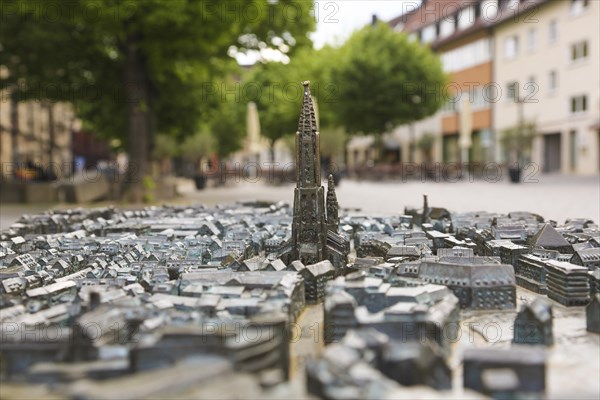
x,y
237,300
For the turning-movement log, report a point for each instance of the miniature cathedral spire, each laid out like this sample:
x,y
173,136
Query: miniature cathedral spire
x,y
333,220
308,173
309,227
307,124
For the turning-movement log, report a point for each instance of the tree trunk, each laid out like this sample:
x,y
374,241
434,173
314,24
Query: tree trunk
x,y
14,128
51,137
272,152
138,110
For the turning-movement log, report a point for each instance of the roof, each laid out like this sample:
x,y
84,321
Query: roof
x,y
513,356
589,255
548,237
402,250
429,12
320,268
565,267
469,274
540,309
53,288
432,11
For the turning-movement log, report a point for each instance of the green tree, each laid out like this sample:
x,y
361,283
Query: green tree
x,y
277,90
333,141
273,86
198,146
165,147
517,142
134,68
228,126
385,79
425,144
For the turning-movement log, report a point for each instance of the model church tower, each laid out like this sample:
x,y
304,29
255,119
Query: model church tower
x,y
314,228
309,229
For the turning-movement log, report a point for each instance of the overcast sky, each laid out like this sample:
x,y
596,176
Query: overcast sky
x,y
336,20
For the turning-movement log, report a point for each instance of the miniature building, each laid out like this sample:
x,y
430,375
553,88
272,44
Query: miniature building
x,y
592,313
315,280
357,368
531,271
164,286
402,313
416,363
333,219
589,258
533,324
255,346
427,214
313,237
309,227
373,248
567,283
548,238
339,316
510,252
477,286
594,277
506,373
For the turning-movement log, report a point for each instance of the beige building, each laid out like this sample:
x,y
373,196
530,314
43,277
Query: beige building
x,y
459,32
543,53
35,142
549,59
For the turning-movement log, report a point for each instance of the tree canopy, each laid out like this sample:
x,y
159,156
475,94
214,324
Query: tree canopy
x,y
376,80
134,68
385,79
277,90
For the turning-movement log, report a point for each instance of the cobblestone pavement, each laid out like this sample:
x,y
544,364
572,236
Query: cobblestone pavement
x,y
556,197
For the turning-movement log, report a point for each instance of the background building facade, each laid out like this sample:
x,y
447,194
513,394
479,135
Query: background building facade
x,y
511,61
549,60
43,135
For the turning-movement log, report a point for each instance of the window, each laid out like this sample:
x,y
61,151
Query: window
x,y
489,10
511,47
447,26
512,91
467,56
579,51
579,6
552,80
578,104
553,31
481,96
466,17
428,34
531,39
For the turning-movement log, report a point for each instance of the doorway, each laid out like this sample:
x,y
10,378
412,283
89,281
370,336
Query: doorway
x,y
552,152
